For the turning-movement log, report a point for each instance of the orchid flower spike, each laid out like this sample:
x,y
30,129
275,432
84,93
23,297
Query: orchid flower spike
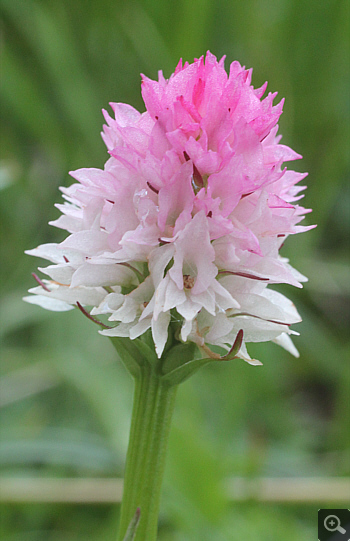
x,y
186,220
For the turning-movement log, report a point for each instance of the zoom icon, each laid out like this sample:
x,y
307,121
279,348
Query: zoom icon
x,y
334,525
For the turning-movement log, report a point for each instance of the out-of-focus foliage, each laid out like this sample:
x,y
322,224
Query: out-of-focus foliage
x,y
66,399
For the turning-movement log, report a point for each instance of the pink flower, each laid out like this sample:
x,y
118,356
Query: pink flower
x,y
187,218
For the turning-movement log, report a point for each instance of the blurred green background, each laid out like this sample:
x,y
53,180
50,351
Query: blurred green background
x,y
65,398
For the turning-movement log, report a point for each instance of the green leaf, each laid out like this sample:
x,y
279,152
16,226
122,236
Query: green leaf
x,y
177,356
134,353
129,354
146,351
176,371
183,372
131,531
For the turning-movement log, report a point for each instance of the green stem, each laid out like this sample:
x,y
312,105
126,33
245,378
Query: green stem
x,y
152,411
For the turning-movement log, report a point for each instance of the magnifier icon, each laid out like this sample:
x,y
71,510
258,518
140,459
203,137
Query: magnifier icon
x,y
332,524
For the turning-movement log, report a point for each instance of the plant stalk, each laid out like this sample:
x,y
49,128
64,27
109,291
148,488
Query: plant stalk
x,y
150,425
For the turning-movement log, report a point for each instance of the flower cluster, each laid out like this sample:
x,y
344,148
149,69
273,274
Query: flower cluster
x,y
186,219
